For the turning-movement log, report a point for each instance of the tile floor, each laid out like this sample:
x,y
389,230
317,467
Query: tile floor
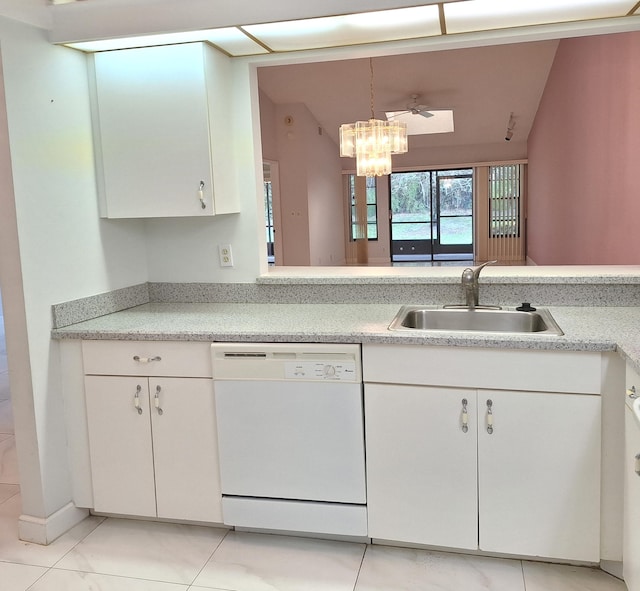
x,y
128,555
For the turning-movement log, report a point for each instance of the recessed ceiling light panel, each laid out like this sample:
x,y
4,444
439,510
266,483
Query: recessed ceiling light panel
x,y
229,39
479,15
336,31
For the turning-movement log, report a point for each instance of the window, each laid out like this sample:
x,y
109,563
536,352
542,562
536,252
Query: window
x,y
504,200
371,207
268,210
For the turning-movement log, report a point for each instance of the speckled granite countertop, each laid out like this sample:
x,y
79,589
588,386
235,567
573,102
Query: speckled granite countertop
x,y
585,328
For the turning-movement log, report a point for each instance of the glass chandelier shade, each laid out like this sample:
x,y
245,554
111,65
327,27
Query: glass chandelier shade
x,y
372,142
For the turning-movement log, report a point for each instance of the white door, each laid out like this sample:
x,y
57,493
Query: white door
x,y
421,465
186,449
631,559
539,474
120,448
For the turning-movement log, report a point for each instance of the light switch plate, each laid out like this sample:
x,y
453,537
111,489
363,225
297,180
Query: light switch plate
x,y
226,256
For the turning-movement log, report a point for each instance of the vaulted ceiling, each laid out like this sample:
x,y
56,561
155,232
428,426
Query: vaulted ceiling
x,y
482,85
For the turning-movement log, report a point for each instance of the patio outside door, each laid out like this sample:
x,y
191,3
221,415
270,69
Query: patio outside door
x,y
432,215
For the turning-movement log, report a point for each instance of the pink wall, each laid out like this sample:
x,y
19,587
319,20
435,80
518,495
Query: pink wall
x,y
584,150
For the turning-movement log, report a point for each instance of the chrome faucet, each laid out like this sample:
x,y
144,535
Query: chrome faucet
x,y
470,284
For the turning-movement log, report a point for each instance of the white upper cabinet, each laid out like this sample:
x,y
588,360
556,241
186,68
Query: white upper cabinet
x,y
162,125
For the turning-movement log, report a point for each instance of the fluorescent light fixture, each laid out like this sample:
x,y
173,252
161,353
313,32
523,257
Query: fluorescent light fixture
x,y
229,39
440,122
234,42
460,16
353,29
482,15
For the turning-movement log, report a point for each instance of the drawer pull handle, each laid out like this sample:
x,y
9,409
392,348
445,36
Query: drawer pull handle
x,y
490,417
631,392
146,359
465,416
136,399
156,400
637,464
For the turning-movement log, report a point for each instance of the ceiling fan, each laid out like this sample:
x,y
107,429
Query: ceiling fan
x,y
414,108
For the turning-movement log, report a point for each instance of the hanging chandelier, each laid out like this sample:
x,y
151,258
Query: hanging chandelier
x,y
372,142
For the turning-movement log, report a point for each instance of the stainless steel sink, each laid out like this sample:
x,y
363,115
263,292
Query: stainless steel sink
x,y
414,318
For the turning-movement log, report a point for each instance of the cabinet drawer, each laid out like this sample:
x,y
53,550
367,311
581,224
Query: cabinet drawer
x,y
501,369
147,358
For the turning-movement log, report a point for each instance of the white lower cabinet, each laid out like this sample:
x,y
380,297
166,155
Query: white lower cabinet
x,y
539,474
153,447
502,471
421,466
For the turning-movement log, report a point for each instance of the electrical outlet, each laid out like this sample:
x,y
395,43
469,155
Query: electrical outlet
x,y
226,257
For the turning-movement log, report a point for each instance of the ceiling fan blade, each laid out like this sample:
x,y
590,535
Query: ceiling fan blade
x,y
397,114
426,114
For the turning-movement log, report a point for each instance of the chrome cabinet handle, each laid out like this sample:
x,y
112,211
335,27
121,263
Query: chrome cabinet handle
x,y
490,416
201,195
631,392
156,400
146,359
136,399
465,416
637,464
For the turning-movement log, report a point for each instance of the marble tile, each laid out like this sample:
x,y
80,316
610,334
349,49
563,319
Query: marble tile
x,y
8,462
540,576
19,577
168,552
263,562
7,491
66,580
14,550
6,417
405,569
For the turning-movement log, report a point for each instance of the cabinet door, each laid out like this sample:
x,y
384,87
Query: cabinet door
x,y
631,559
120,448
421,465
185,449
153,131
539,474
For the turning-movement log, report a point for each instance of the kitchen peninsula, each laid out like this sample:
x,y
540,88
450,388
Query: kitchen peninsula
x,y
597,310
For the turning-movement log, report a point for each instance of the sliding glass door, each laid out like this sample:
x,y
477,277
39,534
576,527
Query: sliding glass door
x,y
432,215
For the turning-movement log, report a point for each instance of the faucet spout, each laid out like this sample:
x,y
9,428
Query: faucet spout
x,y
470,284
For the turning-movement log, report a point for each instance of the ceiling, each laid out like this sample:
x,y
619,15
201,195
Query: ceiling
x,y
246,29
483,86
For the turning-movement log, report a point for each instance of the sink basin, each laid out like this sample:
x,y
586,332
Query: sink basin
x,y
477,320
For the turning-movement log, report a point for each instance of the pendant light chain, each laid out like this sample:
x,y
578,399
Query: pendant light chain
x,y
371,85
373,142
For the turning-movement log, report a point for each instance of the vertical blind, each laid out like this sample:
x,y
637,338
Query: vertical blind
x,y
506,240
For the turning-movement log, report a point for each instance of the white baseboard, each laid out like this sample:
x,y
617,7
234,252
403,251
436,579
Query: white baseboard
x,y
44,531
613,567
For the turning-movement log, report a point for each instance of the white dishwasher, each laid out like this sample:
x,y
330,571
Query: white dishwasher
x,y
291,437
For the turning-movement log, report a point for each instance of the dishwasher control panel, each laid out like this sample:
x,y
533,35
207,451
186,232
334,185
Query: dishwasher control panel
x,y
335,370
288,362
